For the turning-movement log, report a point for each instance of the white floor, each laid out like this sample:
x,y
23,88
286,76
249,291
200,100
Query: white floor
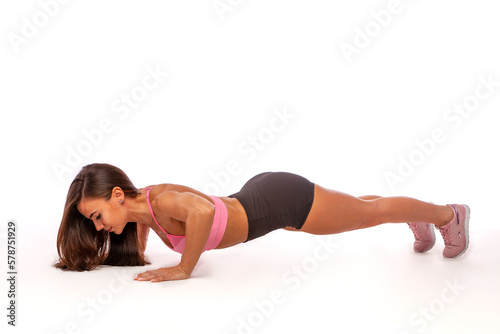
x,y
366,281
340,92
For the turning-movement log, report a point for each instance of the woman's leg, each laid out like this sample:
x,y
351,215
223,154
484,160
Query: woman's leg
x,y
423,232
336,212
369,197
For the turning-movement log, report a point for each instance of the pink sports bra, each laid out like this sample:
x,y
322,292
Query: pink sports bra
x,y
218,227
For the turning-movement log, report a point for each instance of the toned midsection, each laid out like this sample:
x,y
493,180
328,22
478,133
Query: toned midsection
x,y
237,223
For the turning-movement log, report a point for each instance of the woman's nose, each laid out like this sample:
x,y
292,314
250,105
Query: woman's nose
x,y
99,226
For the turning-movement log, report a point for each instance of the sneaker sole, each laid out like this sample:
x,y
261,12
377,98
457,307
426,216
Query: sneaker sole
x,y
466,229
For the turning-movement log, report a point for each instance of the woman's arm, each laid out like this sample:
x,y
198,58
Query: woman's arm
x,y
198,226
198,214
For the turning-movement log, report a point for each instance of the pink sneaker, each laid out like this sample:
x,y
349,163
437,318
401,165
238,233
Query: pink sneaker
x,y
424,236
456,232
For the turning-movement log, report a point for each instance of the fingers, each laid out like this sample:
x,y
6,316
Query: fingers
x,y
152,275
162,274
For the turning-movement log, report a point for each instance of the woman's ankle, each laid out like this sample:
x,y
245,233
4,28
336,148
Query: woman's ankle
x,y
447,216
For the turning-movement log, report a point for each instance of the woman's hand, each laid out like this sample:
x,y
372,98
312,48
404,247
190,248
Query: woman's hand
x,y
163,274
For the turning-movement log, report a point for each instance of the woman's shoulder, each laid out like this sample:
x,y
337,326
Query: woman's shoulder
x,y
171,199
170,189
166,187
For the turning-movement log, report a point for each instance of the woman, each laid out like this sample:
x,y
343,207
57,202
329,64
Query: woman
x,y
106,219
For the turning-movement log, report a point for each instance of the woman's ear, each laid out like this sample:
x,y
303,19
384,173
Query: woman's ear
x,y
117,194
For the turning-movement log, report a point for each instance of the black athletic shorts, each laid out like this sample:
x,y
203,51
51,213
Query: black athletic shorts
x,y
275,200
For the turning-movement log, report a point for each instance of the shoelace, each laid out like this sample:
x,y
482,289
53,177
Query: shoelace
x,y
416,231
445,232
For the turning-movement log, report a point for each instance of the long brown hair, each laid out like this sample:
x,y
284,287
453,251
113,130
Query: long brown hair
x,y
79,245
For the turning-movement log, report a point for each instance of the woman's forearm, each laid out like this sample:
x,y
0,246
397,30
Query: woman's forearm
x,y
198,227
198,214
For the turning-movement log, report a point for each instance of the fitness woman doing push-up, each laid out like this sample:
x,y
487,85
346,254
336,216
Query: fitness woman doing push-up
x,y
106,219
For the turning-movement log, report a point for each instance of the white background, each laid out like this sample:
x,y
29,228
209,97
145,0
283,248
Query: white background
x,y
229,72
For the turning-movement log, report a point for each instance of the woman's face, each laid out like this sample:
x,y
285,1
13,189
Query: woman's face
x,y
109,215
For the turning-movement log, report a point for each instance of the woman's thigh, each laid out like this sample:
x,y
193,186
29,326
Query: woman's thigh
x,y
335,212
